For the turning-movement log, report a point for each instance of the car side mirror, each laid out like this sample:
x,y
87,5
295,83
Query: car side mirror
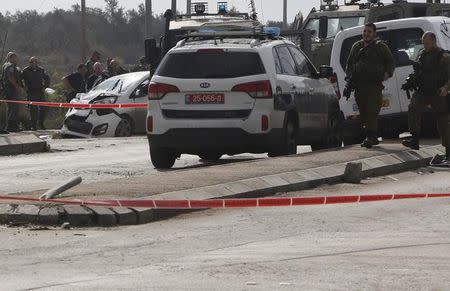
x,y
325,72
152,52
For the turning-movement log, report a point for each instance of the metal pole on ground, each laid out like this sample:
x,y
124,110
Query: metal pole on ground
x,y
52,193
285,24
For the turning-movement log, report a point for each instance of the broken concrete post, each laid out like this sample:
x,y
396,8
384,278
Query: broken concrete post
x,y
52,193
353,173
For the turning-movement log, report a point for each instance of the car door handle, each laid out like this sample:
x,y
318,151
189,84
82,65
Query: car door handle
x,y
293,87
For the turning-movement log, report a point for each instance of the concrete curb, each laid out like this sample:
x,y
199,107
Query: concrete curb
x,y
17,144
248,188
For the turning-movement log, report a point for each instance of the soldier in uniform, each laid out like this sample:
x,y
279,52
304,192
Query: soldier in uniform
x,y
12,83
116,69
369,64
36,80
95,57
433,86
76,82
98,77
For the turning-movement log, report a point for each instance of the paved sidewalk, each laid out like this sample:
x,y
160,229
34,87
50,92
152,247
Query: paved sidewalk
x,y
245,179
21,143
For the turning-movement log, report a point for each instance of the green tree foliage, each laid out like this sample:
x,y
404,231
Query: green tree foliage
x,y
55,36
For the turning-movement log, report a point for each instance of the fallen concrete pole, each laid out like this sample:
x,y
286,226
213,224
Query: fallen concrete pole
x,y
52,193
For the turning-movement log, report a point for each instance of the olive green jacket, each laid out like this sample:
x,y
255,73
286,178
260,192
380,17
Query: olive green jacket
x,y
369,63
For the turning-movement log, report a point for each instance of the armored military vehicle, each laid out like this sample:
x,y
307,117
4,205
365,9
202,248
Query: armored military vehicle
x,y
325,22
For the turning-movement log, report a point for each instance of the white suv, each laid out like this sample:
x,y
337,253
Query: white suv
x,y
230,95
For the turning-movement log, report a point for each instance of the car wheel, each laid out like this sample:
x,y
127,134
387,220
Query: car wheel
x,y
162,158
334,138
210,156
124,128
289,140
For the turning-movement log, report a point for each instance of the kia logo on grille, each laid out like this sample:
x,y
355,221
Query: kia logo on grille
x,y
205,85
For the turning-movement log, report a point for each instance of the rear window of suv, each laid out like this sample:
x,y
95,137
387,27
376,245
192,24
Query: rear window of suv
x,y
211,64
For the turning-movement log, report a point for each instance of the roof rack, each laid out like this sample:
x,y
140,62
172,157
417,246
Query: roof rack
x,y
254,33
244,16
257,35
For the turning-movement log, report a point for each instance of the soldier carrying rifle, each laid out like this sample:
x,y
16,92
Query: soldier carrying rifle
x,y
430,81
369,64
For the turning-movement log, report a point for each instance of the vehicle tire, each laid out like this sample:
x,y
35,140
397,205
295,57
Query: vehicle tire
x,y
210,156
289,140
162,158
124,128
334,138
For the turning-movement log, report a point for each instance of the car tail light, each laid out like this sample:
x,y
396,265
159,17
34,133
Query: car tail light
x,y
150,123
264,123
335,83
159,90
260,89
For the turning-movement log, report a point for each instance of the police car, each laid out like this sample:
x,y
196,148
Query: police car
x,y
404,38
222,93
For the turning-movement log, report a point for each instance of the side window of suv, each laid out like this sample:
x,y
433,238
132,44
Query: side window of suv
x,y
303,66
286,61
278,68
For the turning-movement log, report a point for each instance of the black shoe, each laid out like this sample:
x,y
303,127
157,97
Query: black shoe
x,y
367,143
440,161
374,140
41,126
4,131
411,143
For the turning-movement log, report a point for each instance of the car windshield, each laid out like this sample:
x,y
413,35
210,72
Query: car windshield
x,y
335,24
211,64
116,84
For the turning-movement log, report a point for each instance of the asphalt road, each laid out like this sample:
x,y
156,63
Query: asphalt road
x,y
393,245
95,160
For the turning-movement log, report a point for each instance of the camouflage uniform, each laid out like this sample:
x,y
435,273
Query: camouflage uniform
x,y
366,67
435,73
11,93
36,80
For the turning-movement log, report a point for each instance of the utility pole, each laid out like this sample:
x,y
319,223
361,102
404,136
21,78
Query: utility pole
x,y
188,7
83,31
148,18
285,24
174,6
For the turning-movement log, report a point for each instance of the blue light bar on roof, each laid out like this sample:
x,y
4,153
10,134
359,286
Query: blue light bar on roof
x,y
272,31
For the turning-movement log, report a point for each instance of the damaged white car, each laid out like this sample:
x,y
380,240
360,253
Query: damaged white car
x,y
126,88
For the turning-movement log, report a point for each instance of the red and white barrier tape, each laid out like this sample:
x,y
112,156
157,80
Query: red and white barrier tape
x,y
78,105
224,203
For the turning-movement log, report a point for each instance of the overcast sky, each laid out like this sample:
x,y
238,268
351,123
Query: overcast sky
x,y
267,9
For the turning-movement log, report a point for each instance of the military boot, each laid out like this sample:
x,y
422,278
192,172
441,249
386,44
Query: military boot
x,y
370,141
412,142
446,161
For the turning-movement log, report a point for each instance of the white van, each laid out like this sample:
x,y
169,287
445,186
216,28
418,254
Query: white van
x,y
404,37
